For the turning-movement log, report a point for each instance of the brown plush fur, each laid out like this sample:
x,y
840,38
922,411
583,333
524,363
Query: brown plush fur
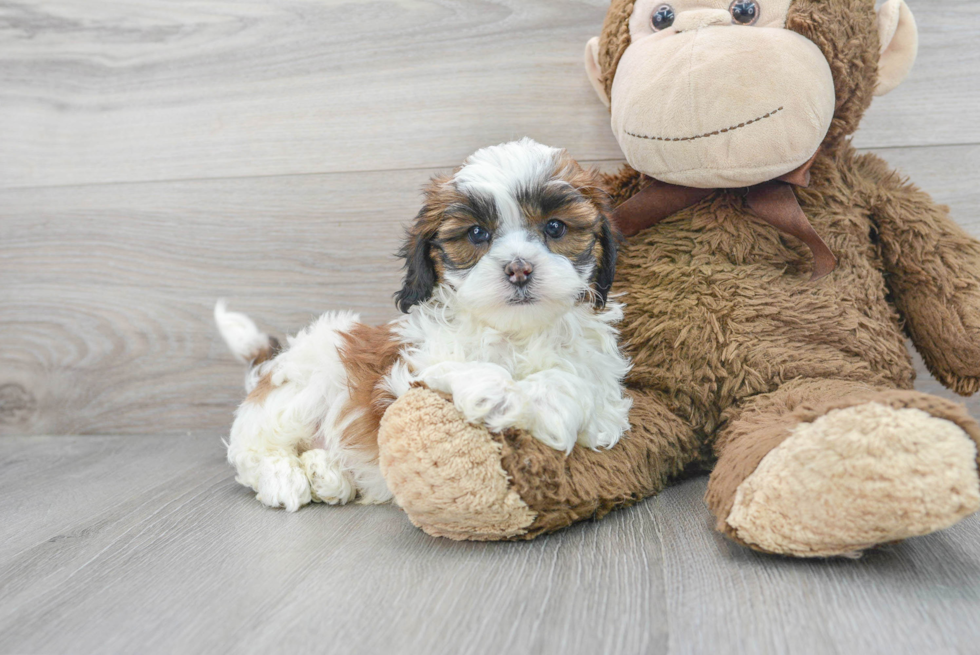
x,y
931,266
719,312
847,34
733,346
589,484
614,40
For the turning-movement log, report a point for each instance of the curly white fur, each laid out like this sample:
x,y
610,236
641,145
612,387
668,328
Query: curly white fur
x,y
562,381
287,446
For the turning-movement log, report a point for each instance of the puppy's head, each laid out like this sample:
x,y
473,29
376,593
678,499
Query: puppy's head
x,y
521,233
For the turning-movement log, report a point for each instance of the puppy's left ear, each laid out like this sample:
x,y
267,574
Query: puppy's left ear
x,y
605,273
589,183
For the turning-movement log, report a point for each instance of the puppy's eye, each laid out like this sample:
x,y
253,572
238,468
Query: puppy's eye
x,y
555,229
478,235
663,18
745,12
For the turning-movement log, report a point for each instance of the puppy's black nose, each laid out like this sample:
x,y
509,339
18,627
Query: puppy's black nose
x,y
518,272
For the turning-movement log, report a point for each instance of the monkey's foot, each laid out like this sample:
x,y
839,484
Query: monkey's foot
x,y
856,478
446,473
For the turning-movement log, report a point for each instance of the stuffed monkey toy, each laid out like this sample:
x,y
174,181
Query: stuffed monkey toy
x,y
771,275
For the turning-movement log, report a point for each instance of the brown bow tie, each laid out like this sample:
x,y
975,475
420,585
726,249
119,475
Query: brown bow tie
x,y
773,201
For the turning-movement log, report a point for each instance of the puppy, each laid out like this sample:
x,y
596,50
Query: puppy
x,y
508,268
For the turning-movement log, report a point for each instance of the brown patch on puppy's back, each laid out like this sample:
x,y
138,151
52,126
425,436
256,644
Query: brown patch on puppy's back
x,y
264,386
270,351
261,390
368,354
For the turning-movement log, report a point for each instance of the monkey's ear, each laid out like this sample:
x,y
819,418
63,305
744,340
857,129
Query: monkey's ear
x,y
899,44
606,272
420,271
594,70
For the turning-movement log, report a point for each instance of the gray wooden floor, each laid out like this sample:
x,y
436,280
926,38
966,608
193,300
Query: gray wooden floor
x,y
145,544
156,155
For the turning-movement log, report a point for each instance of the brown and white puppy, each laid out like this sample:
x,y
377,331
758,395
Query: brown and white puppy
x,y
508,268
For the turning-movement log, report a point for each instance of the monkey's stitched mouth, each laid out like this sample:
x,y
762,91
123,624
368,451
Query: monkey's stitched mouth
x,y
707,134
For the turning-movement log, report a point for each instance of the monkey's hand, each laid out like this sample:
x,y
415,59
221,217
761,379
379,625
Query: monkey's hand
x,y
933,271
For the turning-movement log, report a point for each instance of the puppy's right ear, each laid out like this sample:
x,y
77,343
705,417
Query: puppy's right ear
x,y
420,270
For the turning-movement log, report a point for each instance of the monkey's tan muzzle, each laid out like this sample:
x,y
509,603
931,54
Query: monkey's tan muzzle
x,y
709,108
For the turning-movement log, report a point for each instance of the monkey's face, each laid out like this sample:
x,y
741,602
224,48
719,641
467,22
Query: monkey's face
x,y
703,100
717,93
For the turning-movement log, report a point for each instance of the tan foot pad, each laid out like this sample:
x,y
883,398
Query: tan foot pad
x,y
446,473
856,478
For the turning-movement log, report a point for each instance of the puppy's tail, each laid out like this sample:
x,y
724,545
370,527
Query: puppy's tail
x,y
249,344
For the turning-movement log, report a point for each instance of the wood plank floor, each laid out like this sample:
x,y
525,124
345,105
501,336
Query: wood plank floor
x,y
156,155
146,544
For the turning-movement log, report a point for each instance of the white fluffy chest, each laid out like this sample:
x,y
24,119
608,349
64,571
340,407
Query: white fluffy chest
x,y
562,382
577,342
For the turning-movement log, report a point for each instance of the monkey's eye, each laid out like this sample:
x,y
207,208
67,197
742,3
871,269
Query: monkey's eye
x,y
663,18
478,235
555,229
744,12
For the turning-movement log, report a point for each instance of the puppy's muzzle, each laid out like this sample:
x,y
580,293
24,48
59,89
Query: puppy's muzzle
x,y
519,272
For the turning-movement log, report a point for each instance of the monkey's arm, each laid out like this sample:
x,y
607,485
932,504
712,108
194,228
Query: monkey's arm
x,y
933,269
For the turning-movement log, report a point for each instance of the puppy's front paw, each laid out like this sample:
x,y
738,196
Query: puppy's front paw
x,y
330,483
440,377
491,400
553,423
282,483
501,411
484,393
555,433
